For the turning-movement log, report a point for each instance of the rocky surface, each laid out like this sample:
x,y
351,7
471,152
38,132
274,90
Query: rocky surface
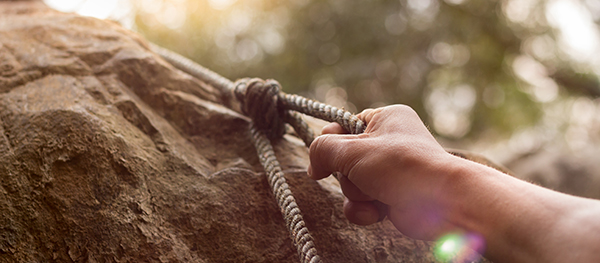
x,y
109,154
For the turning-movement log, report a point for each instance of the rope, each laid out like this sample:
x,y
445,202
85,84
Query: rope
x,y
285,199
188,66
303,131
291,102
270,108
261,101
323,111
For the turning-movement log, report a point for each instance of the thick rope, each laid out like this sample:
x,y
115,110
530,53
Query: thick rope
x,y
300,126
188,66
259,101
269,109
285,199
323,111
299,233
292,102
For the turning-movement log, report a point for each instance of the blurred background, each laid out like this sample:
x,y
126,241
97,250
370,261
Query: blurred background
x,y
516,80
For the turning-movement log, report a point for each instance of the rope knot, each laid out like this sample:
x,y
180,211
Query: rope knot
x,y
260,101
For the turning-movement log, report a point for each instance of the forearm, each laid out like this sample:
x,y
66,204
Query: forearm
x,y
519,221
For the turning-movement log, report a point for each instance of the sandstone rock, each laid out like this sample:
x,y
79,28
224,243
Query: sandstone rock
x,y
109,154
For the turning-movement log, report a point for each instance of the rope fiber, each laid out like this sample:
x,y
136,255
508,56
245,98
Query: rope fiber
x,y
270,108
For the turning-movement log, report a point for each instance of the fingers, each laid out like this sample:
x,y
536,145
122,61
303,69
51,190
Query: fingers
x,y
355,195
330,153
368,114
351,191
324,152
333,128
391,119
361,213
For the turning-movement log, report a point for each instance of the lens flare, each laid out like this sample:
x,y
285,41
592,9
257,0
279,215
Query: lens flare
x,y
448,247
457,247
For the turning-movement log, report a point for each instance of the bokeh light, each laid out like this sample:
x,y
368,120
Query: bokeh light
x,y
458,247
504,78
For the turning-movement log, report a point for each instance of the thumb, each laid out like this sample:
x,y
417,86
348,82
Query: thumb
x,y
330,153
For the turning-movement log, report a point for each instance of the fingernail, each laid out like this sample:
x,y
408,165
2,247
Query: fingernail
x,y
309,171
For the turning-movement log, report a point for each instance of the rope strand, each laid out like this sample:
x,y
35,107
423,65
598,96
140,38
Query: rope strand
x,y
188,66
254,95
261,100
323,111
287,203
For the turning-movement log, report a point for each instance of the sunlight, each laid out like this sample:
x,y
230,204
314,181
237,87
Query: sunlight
x,y
577,30
518,10
101,9
221,4
172,15
98,8
543,88
120,11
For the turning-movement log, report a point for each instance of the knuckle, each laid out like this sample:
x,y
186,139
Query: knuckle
x,y
323,150
318,144
350,157
401,108
365,112
368,114
330,151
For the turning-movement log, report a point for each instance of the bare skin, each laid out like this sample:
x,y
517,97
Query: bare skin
x,y
431,192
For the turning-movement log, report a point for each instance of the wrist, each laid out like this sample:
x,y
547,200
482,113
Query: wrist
x,y
517,220
476,198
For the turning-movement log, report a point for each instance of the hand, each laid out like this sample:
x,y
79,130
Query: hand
x,y
431,193
396,161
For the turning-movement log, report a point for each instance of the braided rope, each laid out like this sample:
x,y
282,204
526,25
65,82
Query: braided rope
x,y
299,233
286,201
188,66
293,102
323,111
259,100
300,126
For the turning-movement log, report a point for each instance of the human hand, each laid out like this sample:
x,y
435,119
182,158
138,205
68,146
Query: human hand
x,y
396,161
431,193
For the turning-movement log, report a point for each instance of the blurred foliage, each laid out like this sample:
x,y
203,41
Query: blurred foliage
x,y
456,62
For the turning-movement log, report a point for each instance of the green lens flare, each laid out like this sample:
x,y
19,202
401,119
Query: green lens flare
x,y
448,246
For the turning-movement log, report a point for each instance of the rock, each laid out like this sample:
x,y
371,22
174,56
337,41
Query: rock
x,y
559,168
109,154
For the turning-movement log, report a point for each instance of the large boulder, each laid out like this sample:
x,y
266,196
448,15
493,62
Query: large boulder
x,y
109,154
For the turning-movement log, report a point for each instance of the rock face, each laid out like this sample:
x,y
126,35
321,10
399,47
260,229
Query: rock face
x,y
109,154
